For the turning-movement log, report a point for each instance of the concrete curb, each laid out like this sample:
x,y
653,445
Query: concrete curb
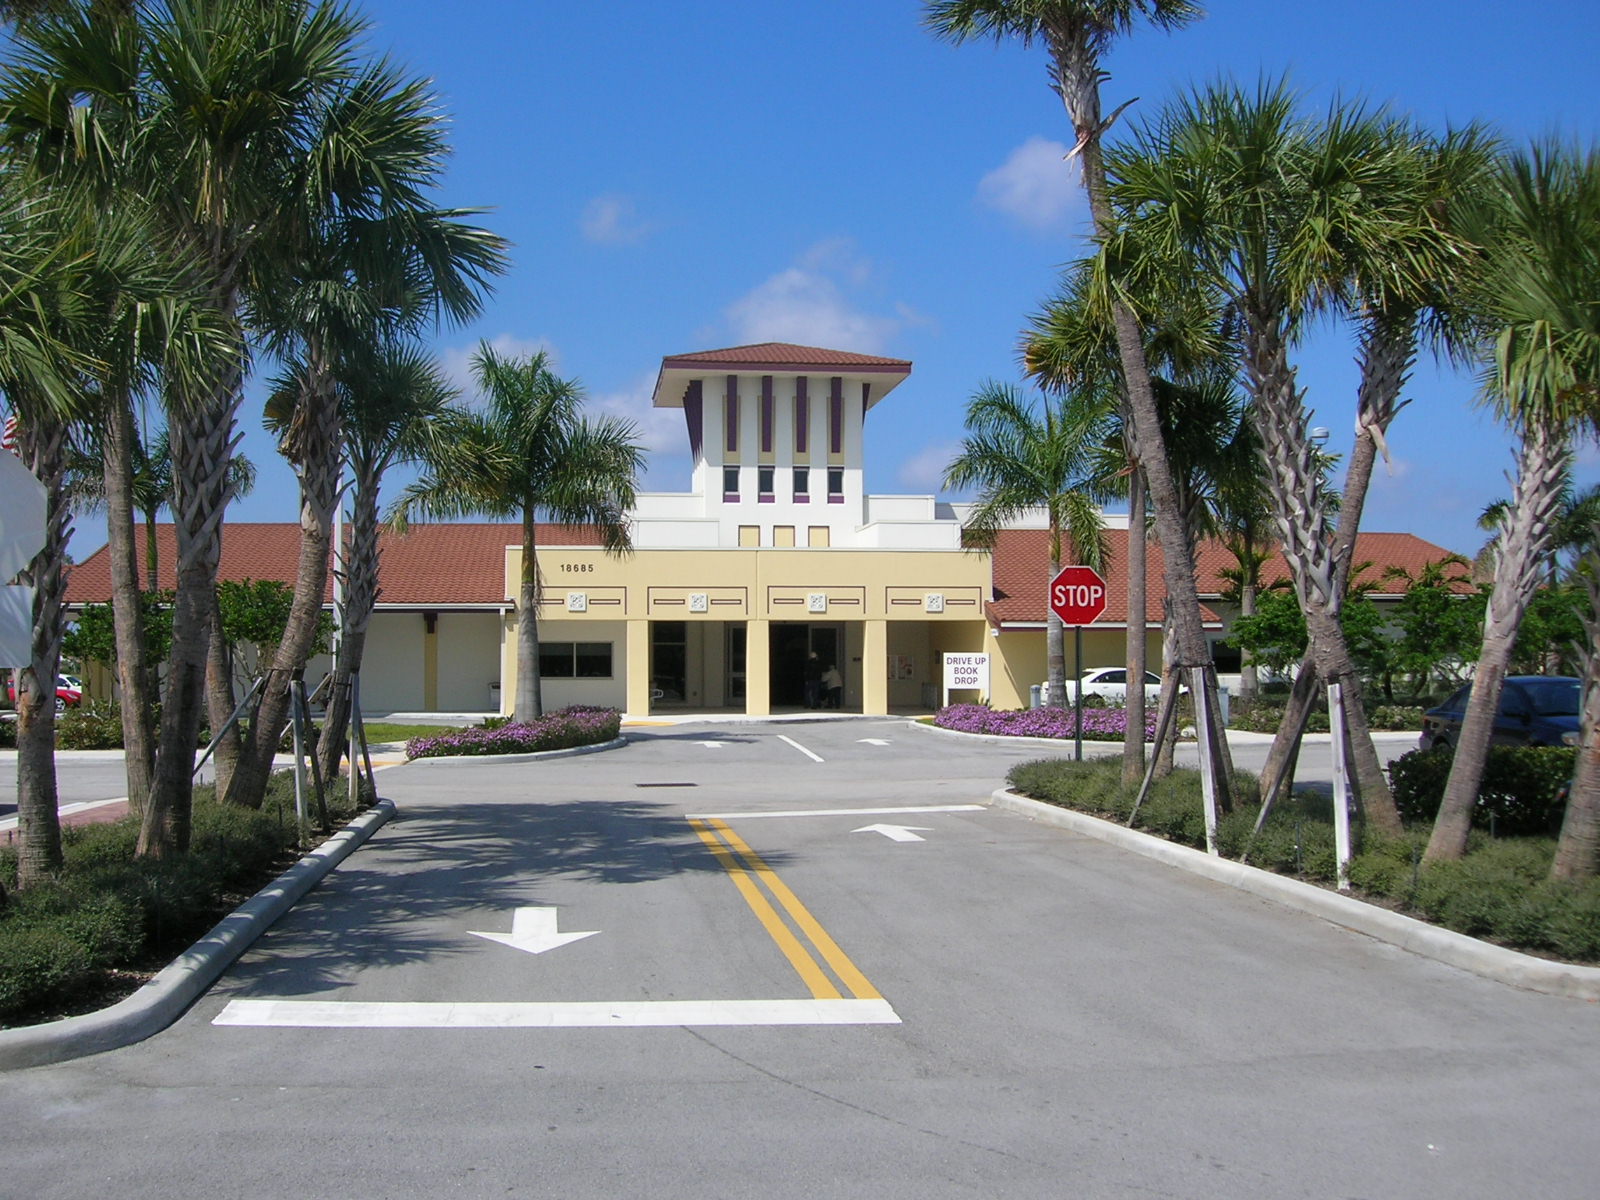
x,y
161,1001
615,743
1442,945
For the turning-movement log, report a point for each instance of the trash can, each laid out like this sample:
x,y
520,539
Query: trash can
x,y
494,696
1036,696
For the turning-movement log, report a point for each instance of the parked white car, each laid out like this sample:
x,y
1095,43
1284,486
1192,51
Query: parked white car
x,y
1109,685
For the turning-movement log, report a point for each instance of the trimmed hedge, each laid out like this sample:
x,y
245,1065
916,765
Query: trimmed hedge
x,y
1265,718
564,729
1522,793
108,909
1099,724
1501,890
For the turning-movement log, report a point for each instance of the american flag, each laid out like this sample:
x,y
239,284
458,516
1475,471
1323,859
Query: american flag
x,y
8,438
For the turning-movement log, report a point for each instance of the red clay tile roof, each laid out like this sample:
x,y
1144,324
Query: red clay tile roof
x,y
435,564
783,356
1022,569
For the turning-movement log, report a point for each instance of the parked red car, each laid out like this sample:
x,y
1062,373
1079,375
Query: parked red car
x,y
68,693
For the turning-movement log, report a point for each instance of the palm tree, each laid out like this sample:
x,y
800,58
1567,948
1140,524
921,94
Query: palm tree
x,y
1540,229
372,256
1272,213
1020,457
1404,289
1077,33
531,452
395,401
1071,345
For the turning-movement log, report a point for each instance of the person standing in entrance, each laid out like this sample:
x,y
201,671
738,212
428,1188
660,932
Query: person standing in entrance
x,y
813,679
832,687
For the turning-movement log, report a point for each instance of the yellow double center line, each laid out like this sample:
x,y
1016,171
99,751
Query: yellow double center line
x,y
750,875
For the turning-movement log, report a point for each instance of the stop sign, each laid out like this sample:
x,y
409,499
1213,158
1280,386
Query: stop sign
x,y
1078,595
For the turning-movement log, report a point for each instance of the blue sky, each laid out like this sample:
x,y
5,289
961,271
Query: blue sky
x,y
682,176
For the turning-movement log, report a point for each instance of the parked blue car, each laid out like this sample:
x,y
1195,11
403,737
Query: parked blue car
x,y
1535,710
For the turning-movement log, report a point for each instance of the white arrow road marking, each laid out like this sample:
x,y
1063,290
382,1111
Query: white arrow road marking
x,y
874,741
533,930
326,1014
895,833
712,745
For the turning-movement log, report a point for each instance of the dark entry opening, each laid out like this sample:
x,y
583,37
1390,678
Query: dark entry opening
x,y
790,644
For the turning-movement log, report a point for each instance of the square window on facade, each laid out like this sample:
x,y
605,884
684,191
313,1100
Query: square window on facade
x,y
593,660
555,660
765,479
835,483
730,483
802,484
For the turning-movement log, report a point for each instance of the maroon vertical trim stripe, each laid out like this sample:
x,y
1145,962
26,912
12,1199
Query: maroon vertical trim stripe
x,y
766,414
694,414
836,415
802,416
730,415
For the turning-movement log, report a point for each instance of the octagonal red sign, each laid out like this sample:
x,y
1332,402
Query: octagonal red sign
x,y
1078,595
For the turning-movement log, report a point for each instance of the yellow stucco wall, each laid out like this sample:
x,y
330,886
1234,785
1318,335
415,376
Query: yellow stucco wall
x,y
881,597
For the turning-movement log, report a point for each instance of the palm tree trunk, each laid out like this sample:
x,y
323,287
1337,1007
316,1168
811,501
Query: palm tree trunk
x,y
1080,91
1577,857
360,598
1249,677
43,446
1543,463
530,697
1279,767
313,444
202,446
134,683
220,701
1578,850
1133,739
1387,353
1295,484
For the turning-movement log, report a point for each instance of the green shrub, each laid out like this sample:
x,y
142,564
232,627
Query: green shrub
x,y
38,964
8,733
1501,890
96,725
108,909
1521,793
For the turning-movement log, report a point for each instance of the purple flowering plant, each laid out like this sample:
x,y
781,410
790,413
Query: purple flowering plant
x,y
1099,724
576,725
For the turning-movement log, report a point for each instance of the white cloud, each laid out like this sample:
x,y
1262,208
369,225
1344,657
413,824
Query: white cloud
x,y
811,303
924,470
1034,186
457,360
659,429
612,219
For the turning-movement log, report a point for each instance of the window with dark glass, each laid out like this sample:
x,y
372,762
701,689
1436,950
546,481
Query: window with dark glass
x,y
730,483
575,660
802,484
764,482
835,483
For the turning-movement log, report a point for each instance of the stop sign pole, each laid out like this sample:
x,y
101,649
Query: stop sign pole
x,y
1078,597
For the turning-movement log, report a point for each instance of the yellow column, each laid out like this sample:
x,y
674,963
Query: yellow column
x,y
430,662
638,686
875,668
758,669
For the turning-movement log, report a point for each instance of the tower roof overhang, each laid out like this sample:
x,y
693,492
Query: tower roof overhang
x,y
678,371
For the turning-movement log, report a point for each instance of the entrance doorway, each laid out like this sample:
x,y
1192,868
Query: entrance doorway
x,y
790,644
